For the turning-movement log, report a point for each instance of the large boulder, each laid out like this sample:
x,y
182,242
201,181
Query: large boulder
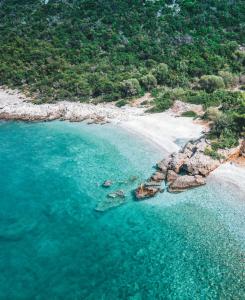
x,y
185,182
158,176
171,176
147,190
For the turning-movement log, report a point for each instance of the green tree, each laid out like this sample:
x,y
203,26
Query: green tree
x,y
210,83
229,79
148,81
130,87
161,73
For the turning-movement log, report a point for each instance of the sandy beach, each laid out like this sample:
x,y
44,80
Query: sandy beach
x,y
232,174
164,129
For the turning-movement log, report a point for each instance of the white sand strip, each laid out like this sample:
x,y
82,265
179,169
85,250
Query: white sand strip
x,y
163,129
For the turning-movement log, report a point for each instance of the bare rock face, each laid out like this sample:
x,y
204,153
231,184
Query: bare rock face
x,y
185,182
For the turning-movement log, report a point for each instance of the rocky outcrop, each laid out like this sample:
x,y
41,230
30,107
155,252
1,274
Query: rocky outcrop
x,y
185,169
148,190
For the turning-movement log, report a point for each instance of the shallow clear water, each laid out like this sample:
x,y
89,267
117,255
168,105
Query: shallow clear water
x,y
54,245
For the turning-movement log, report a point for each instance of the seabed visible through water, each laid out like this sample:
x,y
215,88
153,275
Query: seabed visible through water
x,y
54,245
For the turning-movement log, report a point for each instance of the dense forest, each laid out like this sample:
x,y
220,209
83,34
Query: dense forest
x,y
113,50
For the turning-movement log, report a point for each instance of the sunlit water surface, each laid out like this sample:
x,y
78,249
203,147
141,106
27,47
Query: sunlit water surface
x,y
54,245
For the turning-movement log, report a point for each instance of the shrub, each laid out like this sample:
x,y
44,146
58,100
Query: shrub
x,y
163,102
121,103
148,81
212,114
189,113
130,87
228,78
201,97
223,123
150,63
228,139
146,102
157,91
111,97
161,73
210,83
232,101
212,153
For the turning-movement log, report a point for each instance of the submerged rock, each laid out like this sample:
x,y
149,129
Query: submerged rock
x,y
107,183
132,178
113,200
117,194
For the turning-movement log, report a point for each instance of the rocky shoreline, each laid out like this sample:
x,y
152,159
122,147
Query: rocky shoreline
x,y
14,106
181,170
186,169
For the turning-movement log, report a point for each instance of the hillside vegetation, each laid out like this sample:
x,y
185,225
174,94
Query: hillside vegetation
x,y
109,50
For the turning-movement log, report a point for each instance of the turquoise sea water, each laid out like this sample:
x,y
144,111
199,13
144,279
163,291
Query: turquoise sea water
x,y
54,245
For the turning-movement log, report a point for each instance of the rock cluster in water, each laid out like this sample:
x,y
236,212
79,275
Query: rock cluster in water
x,y
185,169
